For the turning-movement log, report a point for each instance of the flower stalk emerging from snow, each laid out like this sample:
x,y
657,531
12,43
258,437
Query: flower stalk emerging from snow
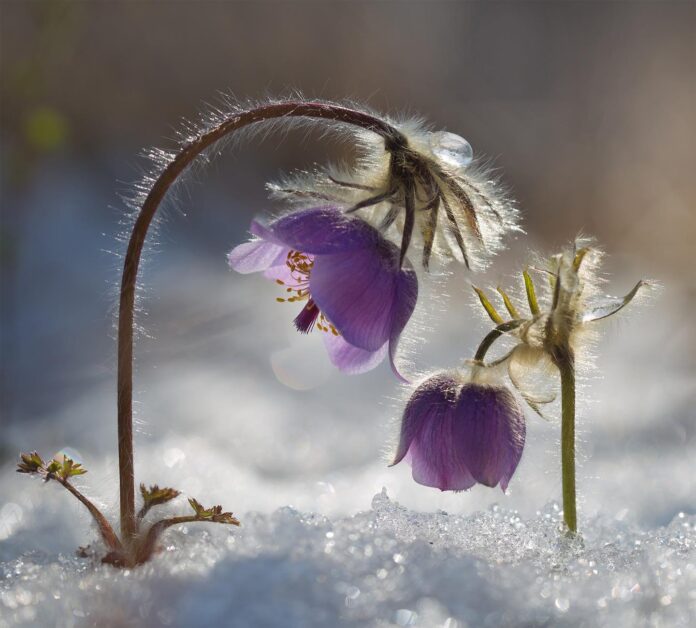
x,y
406,178
554,334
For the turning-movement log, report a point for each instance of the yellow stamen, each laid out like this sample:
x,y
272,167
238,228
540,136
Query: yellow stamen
x,y
300,266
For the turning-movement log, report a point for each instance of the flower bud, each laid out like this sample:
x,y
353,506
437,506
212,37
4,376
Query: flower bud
x,y
457,432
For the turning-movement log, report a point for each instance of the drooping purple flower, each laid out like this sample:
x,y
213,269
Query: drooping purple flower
x,y
347,275
457,433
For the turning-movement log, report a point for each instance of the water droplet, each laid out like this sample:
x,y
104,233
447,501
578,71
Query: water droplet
x,y
453,150
562,604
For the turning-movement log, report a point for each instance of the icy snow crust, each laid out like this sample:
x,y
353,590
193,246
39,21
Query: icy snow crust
x,y
388,566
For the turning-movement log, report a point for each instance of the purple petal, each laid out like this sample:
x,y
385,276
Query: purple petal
x,y
263,232
255,256
427,436
490,433
350,359
358,292
321,231
406,297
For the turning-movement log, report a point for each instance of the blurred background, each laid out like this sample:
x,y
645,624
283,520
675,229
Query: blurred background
x,y
587,109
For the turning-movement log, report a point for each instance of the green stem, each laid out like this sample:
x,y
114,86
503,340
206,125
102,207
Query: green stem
x,y
493,335
567,369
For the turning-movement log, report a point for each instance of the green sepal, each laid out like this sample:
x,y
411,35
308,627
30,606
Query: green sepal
x,y
488,306
531,294
509,306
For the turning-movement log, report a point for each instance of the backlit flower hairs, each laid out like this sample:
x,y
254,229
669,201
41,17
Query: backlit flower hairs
x,y
424,183
342,253
357,285
465,427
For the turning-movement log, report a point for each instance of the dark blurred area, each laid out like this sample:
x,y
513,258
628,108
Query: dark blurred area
x,y
587,108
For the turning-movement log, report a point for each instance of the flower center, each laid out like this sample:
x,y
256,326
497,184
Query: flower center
x,y
300,267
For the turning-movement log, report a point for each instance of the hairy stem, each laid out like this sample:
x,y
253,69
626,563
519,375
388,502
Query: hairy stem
x,y
105,528
188,153
143,511
493,335
149,543
567,370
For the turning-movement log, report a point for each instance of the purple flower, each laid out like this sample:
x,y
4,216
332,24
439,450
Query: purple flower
x,y
347,275
457,434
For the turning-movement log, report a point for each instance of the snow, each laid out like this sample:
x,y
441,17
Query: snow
x,y
387,566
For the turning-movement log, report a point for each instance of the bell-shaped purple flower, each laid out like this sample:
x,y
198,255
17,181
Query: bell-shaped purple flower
x,y
458,433
346,273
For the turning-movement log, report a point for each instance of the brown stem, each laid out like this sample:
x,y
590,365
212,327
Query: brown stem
x,y
147,546
143,511
393,138
105,528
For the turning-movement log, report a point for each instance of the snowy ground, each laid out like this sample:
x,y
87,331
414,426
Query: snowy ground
x,y
387,566
234,408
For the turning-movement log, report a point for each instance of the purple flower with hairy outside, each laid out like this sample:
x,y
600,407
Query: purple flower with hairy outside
x,y
347,274
456,433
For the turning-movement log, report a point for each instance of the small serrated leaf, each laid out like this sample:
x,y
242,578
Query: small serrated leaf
x,y
30,463
214,514
197,507
228,518
65,469
53,467
156,495
77,470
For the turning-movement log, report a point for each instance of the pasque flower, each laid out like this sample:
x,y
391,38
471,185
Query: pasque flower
x,y
419,184
348,276
561,320
457,431
553,336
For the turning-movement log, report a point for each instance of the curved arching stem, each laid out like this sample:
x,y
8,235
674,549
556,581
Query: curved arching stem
x,y
493,335
188,153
